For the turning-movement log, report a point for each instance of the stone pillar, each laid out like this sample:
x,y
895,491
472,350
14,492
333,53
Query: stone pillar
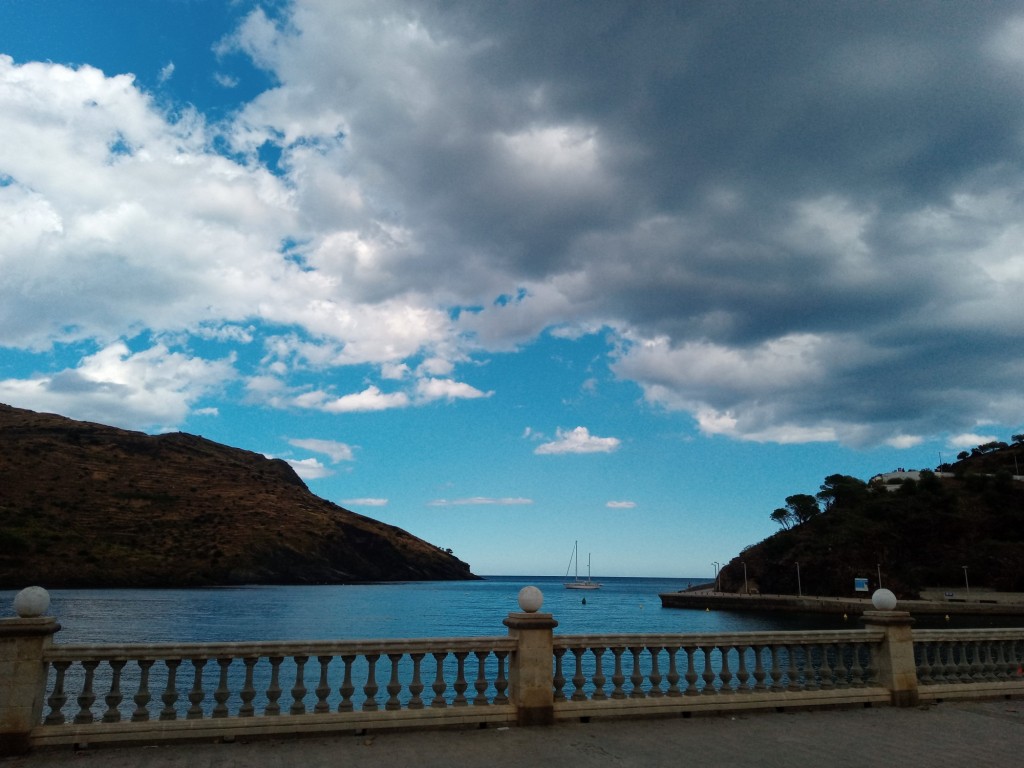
x,y
22,669
531,682
897,670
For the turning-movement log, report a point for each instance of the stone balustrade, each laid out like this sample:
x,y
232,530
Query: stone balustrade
x,y
58,694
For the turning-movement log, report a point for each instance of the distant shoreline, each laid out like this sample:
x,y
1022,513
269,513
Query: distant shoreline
x,y
702,600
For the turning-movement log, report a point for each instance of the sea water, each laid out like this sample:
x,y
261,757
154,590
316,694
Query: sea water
x,y
391,610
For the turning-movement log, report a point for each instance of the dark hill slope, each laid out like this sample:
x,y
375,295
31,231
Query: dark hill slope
x,y
919,534
84,504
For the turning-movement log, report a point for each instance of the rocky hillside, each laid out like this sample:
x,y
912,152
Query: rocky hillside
x,y
84,504
919,533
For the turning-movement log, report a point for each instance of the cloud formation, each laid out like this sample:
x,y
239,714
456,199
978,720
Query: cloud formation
x,y
475,501
578,440
797,223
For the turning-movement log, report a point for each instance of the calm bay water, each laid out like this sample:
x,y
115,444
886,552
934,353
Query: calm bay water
x,y
366,611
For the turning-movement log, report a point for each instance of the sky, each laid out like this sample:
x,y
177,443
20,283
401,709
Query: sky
x,y
513,275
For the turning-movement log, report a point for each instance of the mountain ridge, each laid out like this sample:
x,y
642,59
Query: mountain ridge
x,y
89,505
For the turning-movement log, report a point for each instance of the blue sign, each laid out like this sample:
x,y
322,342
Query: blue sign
x,y
861,585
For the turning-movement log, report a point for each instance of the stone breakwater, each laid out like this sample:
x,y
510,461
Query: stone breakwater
x,y
853,606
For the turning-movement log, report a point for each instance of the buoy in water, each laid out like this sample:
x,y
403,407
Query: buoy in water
x,y
584,601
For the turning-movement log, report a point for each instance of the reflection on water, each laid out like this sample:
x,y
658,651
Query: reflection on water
x,y
415,609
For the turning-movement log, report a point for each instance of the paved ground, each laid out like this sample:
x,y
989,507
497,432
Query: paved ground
x,y
956,735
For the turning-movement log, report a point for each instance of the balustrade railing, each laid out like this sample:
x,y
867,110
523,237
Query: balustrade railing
x,y
68,694
140,683
598,668
957,657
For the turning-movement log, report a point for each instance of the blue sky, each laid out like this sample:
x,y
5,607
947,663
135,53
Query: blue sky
x,y
509,276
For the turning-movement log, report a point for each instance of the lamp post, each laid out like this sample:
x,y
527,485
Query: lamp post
x,y
717,567
966,582
799,587
879,567
746,589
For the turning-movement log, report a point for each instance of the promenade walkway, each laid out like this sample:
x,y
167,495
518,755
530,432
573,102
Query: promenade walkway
x,y
986,733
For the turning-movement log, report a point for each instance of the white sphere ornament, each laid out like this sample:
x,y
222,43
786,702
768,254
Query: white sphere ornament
x,y
883,600
530,599
31,602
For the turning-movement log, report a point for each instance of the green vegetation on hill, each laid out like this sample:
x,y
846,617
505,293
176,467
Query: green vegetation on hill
x,y
87,505
918,533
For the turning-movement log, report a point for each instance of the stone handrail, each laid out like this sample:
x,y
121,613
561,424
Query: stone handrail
x,y
117,692
601,674
57,694
955,662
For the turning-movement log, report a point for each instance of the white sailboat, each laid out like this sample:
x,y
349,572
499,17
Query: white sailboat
x,y
578,583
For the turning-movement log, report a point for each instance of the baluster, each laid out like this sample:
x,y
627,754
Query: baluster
x,y
742,674
559,678
725,674
655,676
794,682
709,673
440,686
977,659
196,695
842,669
985,660
460,679
870,674
949,668
274,689
673,674
599,678
825,670
1003,661
248,692
480,685
142,695
298,706
776,670
858,673
371,688
323,688
416,686
58,698
964,667
87,696
222,693
759,671
578,679
691,672
618,692
810,673
347,688
170,695
501,682
394,686
636,677
113,698
998,660
923,666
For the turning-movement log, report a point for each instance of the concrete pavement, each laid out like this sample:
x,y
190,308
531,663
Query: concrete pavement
x,y
953,734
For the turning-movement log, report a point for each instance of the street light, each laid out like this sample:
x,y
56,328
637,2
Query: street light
x,y
966,582
799,587
746,590
879,567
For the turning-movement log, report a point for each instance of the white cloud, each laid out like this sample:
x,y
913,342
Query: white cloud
x,y
367,502
446,389
370,399
166,72
335,450
309,469
969,440
481,501
621,505
578,440
152,388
